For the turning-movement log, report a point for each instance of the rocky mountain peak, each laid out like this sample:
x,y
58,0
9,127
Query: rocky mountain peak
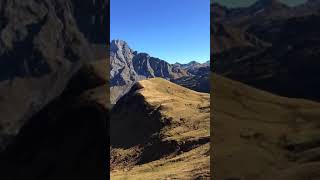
x,y
118,44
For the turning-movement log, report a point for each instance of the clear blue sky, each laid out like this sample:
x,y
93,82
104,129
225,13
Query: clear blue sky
x,y
237,3
173,30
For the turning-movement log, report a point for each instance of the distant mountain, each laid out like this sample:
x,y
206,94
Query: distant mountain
x,y
129,66
199,79
194,67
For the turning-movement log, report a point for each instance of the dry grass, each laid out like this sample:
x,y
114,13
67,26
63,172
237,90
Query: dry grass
x,y
184,166
188,110
181,145
258,135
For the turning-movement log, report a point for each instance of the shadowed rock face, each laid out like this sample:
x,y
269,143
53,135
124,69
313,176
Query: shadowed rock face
x,y
41,48
53,89
92,20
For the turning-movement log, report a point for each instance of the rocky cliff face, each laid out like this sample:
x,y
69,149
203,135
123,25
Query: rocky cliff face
x,y
41,49
128,66
122,70
45,54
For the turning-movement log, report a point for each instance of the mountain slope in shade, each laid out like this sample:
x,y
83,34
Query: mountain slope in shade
x,y
41,49
128,67
261,136
285,63
228,37
160,130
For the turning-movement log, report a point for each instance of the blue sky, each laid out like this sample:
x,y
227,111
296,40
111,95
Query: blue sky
x,y
237,3
173,30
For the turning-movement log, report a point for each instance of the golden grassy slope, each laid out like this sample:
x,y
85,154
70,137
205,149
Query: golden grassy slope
x,y
180,144
260,136
188,109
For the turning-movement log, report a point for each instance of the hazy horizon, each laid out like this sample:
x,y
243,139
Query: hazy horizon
x,y
175,31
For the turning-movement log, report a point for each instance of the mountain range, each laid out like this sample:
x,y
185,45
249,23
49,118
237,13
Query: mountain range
x,y
270,46
129,66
